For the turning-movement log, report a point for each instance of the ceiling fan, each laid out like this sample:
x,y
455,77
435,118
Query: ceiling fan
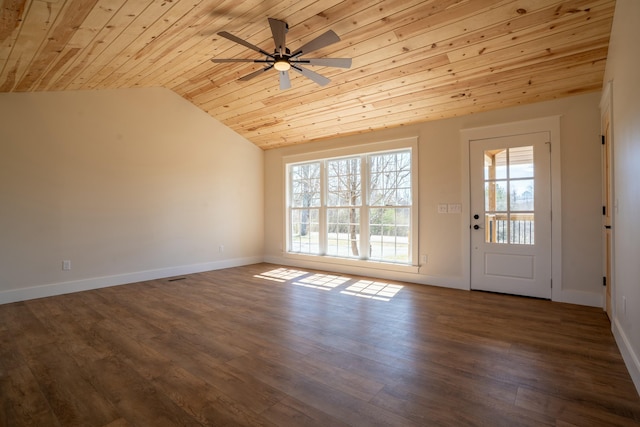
x,y
283,60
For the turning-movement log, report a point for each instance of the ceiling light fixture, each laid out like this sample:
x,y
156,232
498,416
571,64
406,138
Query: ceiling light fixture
x,y
283,60
282,65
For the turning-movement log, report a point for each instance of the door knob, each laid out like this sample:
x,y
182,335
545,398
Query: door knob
x,y
476,227
476,216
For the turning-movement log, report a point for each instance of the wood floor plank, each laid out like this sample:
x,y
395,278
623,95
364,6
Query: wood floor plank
x,y
445,409
343,380
349,409
23,404
245,388
292,412
280,346
137,400
67,390
206,403
572,411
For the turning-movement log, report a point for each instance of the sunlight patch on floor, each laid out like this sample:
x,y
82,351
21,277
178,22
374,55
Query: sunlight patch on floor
x,y
325,282
281,274
380,291
374,290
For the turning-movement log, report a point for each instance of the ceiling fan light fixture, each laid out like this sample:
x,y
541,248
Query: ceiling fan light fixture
x,y
282,65
283,60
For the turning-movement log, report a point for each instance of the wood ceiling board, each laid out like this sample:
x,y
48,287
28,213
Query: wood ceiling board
x,y
454,85
104,46
413,60
389,70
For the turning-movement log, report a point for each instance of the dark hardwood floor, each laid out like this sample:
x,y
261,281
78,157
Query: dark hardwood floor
x,y
270,345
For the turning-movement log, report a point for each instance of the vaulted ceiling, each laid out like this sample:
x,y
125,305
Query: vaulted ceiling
x,y
413,60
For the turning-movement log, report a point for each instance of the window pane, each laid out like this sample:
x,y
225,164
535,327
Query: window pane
x,y
304,231
389,234
343,182
343,229
305,185
390,179
521,195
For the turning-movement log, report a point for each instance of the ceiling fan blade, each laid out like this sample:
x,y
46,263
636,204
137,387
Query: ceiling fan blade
x,y
255,74
243,43
325,39
326,62
320,79
279,30
285,81
224,60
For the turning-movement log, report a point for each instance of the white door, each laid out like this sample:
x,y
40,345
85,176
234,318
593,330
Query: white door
x,y
511,214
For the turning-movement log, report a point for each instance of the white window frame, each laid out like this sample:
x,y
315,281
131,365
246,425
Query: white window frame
x,y
410,144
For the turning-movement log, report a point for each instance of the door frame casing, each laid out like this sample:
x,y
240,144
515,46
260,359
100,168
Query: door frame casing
x,y
606,106
545,124
519,269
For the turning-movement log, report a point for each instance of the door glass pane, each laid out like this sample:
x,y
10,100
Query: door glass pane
x,y
495,164
488,165
521,162
522,229
509,195
521,195
495,196
496,227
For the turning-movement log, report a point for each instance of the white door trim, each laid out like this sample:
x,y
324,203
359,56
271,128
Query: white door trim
x,y
545,124
606,103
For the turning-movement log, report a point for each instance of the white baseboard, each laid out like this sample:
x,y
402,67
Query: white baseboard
x,y
631,359
51,289
590,299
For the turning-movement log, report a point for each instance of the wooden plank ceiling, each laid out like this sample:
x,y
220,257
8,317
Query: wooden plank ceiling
x,y
413,60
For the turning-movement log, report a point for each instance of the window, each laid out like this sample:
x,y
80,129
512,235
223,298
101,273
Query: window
x,y
390,206
358,207
344,203
305,208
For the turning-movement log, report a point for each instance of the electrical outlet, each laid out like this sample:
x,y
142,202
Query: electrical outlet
x,y
425,258
66,265
221,248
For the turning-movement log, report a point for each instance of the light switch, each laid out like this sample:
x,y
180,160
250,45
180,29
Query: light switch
x,y
454,208
442,208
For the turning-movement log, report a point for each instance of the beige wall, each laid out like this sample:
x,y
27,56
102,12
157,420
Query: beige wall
x,y
623,69
126,184
441,175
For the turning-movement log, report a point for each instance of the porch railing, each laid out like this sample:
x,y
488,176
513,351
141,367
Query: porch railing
x,y
517,229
